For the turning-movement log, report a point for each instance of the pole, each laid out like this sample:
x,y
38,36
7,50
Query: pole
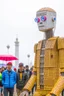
x,y
28,58
8,47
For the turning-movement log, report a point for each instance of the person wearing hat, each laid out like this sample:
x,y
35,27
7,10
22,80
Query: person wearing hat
x,y
9,78
21,78
28,71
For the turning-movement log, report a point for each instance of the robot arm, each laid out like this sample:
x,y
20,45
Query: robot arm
x,y
59,86
28,87
30,83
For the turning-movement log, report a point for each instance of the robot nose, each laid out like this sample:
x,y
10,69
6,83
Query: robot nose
x,y
40,22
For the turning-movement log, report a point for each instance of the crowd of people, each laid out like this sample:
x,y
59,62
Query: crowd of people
x,y
10,78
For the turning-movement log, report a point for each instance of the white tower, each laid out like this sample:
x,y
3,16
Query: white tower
x,y
17,52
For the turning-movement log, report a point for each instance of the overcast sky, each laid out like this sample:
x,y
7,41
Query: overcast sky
x,y
17,17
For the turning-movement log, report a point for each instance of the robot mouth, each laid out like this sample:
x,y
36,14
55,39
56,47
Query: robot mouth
x,y
41,26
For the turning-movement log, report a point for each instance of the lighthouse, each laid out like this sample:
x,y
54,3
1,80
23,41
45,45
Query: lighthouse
x,y
17,52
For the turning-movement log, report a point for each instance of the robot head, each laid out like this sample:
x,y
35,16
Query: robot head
x,y
45,19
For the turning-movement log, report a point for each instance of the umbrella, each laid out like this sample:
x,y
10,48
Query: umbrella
x,y
7,57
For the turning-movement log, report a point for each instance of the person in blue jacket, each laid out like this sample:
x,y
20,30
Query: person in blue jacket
x,y
9,79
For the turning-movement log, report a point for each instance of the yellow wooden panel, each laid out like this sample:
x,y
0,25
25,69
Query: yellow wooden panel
x,y
60,43
50,44
51,58
51,63
59,86
38,63
30,83
39,45
35,48
50,77
61,58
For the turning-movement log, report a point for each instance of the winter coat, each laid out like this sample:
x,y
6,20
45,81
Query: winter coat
x,y
9,79
21,81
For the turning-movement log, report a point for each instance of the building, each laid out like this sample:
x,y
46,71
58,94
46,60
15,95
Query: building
x,y
17,52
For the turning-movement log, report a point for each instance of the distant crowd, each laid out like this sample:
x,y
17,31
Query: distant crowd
x,y
10,78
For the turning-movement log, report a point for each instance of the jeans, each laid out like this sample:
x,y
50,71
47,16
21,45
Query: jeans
x,y
1,90
8,90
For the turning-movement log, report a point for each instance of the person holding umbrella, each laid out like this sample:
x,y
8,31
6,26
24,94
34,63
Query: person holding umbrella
x,y
9,78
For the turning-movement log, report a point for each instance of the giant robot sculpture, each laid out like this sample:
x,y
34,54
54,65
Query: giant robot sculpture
x,y
48,72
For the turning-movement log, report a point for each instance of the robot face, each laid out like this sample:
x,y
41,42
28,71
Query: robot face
x,y
45,20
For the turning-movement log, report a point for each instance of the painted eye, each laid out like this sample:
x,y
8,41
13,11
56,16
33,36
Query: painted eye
x,y
37,20
54,19
43,18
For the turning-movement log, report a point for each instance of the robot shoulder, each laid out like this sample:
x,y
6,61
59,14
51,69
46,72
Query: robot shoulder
x,y
60,43
51,43
37,46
